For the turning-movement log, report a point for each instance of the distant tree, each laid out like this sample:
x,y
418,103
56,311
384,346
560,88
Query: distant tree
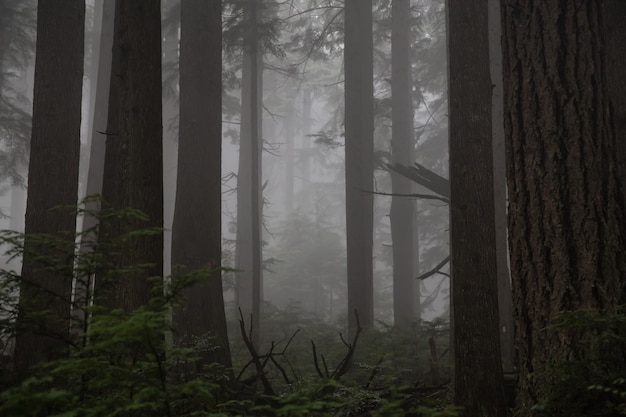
x,y
196,231
44,305
249,192
359,162
17,47
566,216
478,380
133,168
100,82
403,209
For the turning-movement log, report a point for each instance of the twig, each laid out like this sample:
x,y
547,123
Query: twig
x,y
317,366
374,372
267,387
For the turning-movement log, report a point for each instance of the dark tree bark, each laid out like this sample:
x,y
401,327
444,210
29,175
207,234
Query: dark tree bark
x,y
359,129
249,193
505,301
565,214
52,182
133,170
402,216
478,380
197,227
614,13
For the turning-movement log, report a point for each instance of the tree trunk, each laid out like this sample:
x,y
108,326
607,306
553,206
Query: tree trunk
x,y
505,301
359,130
133,170
249,193
402,214
565,217
101,73
197,227
52,182
614,15
478,380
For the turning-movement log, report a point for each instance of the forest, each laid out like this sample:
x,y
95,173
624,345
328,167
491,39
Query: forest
x,y
291,208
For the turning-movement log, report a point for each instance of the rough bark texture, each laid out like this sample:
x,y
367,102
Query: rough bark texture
x,y
249,193
133,171
614,13
359,128
478,380
565,216
52,182
505,301
403,209
197,227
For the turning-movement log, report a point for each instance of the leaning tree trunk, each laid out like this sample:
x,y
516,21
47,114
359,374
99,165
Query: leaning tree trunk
x,y
52,182
565,218
403,209
478,380
359,126
197,227
133,170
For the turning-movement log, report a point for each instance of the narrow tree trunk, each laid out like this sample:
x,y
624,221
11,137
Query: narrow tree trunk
x,y
478,380
101,73
133,171
359,126
197,227
52,182
290,137
305,152
170,125
565,215
402,151
505,301
249,193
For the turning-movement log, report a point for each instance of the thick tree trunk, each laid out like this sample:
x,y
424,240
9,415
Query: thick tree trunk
x,y
478,380
133,171
359,129
565,217
249,193
52,182
402,214
197,227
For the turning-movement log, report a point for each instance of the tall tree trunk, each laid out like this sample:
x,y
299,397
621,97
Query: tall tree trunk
x,y
101,78
52,182
290,137
402,214
359,125
133,170
505,301
305,152
249,193
197,227
565,217
478,380
170,123
614,15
